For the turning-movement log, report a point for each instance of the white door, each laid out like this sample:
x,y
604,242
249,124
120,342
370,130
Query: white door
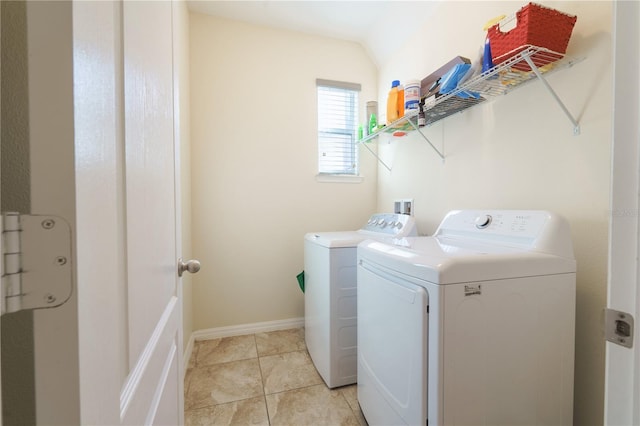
x,y
130,341
151,391
622,378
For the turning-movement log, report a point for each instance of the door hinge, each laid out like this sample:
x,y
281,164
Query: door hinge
x,y
36,262
618,327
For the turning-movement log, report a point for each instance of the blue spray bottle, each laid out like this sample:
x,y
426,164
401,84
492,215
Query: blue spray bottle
x,y
487,62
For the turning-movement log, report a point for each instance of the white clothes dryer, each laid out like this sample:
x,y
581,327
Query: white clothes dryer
x,y
330,293
474,325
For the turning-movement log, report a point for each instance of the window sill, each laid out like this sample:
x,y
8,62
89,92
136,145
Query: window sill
x,y
326,178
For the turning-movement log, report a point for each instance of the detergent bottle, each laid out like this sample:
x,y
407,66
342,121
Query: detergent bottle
x,y
393,101
400,101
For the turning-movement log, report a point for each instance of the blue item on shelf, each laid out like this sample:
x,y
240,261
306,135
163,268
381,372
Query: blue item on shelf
x,y
487,62
451,80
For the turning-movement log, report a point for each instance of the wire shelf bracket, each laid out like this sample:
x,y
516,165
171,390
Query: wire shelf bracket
x,y
536,71
375,155
417,128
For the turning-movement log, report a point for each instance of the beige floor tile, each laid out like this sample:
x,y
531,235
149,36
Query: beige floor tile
x,y
187,379
281,341
251,411
221,383
350,393
314,405
192,359
225,384
226,349
288,371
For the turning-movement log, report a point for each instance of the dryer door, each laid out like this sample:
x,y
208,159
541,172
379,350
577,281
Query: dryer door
x,y
392,347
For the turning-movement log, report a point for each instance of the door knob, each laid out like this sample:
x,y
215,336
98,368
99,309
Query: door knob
x,y
191,266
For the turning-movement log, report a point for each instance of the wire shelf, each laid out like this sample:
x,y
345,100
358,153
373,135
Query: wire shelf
x,y
516,71
527,63
498,81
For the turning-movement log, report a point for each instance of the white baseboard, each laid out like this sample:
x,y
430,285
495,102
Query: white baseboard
x,y
243,329
239,330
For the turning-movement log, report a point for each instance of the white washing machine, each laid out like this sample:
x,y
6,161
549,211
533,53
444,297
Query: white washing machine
x,y
473,326
330,294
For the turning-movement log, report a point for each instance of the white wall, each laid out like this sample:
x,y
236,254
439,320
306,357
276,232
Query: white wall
x,y
519,152
254,157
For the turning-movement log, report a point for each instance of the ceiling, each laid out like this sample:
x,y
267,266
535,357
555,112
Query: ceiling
x,y
380,26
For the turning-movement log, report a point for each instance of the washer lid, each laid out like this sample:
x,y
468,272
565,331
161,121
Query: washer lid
x,y
441,260
337,239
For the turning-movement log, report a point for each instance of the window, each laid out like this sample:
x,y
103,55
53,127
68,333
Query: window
x,y
337,124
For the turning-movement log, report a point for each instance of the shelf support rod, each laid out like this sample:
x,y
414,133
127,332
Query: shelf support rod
x,y
376,155
426,139
576,126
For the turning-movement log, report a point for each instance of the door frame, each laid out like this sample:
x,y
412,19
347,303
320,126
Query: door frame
x,y
1,228
622,390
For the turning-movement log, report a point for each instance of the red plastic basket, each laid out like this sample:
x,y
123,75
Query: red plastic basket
x,y
538,26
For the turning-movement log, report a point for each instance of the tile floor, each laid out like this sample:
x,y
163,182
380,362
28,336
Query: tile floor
x,y
263,379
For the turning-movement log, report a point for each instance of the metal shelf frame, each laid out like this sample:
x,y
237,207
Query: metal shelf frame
x,y
530,63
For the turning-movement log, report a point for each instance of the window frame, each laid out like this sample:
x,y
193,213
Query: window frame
x,y
349,128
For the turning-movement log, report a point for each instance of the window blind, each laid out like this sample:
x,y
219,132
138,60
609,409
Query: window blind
x,y
337,126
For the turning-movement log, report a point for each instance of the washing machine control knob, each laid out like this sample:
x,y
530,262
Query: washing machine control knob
x,y
382,222
483,221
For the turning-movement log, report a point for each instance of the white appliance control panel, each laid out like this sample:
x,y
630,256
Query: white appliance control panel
x,y
530,229
498,223
392,225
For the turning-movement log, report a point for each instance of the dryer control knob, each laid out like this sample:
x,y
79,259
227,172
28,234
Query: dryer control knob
x,y
483,221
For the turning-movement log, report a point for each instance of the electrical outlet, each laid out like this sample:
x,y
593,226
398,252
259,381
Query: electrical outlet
x,y
404,206
407,207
